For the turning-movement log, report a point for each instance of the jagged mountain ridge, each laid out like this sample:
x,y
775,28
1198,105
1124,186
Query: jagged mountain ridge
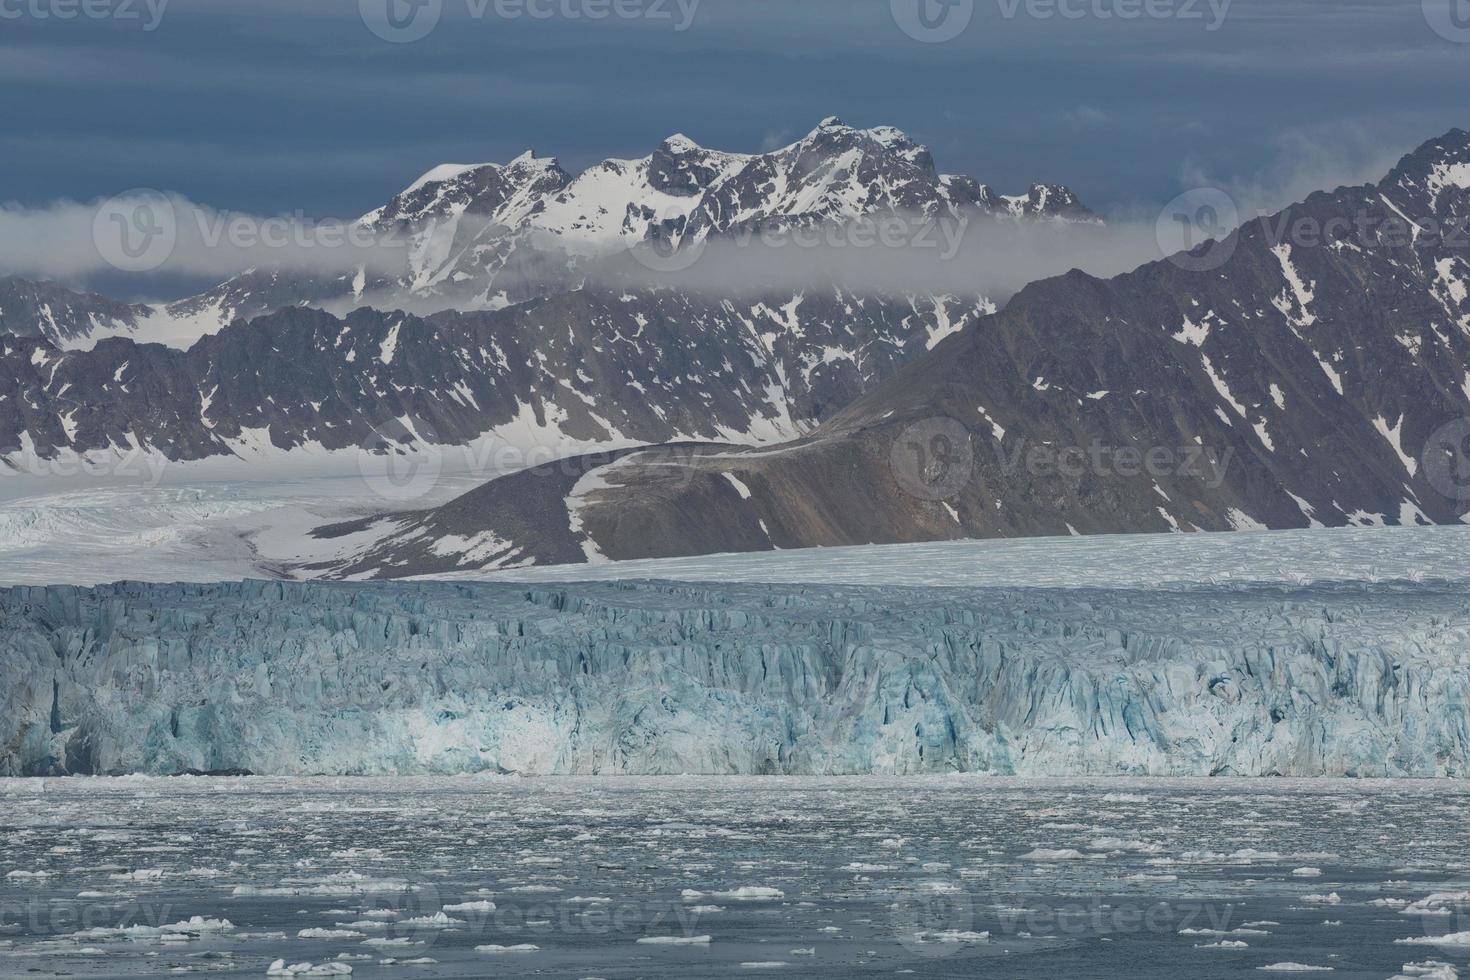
x,y
1305,375
485,236
31,308
587,367
514,241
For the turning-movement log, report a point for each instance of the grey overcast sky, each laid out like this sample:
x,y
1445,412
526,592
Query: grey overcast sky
x,y
271,106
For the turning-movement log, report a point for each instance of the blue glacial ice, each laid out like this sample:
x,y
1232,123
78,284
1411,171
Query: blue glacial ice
x,y
1358,679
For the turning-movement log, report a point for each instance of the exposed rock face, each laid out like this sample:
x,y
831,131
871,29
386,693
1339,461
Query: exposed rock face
x,y
589,366
676,678
564,328
61,316
1307,378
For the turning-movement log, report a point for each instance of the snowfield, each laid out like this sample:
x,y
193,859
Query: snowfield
x,y
232,520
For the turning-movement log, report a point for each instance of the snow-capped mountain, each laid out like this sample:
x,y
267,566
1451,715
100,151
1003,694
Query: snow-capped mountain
x,y
1315,377
486,236
512,246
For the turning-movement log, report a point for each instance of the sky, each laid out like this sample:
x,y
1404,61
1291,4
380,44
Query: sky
x,y
325,107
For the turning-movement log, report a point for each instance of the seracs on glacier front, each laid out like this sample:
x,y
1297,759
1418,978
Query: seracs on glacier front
x,y
1354,679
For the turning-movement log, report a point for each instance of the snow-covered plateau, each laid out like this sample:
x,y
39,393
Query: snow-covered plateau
x,y
638,677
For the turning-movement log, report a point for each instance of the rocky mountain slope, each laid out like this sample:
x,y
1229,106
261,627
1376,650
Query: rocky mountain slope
x,y
587,367
1310,369
560,336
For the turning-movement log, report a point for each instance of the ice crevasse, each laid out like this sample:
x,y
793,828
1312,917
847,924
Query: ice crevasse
x,y
661,677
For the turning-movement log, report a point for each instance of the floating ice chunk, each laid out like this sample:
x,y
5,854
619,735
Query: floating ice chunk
x,y
519,948
952,936
1331,898
1307,872
675,940
436,921
1428,970
1436,903
1225,944
1452,939
144,874
1056,854
1294,968
280,969
329,934
745,893
483,905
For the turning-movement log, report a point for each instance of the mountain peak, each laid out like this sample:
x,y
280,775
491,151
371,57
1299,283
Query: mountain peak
x,y
442,173
679,144
1438,165
831,122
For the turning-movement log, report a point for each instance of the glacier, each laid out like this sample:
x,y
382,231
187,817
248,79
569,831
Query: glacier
x,y
661,677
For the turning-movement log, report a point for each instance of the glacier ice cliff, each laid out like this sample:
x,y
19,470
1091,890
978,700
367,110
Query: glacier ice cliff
x,y
1351,679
